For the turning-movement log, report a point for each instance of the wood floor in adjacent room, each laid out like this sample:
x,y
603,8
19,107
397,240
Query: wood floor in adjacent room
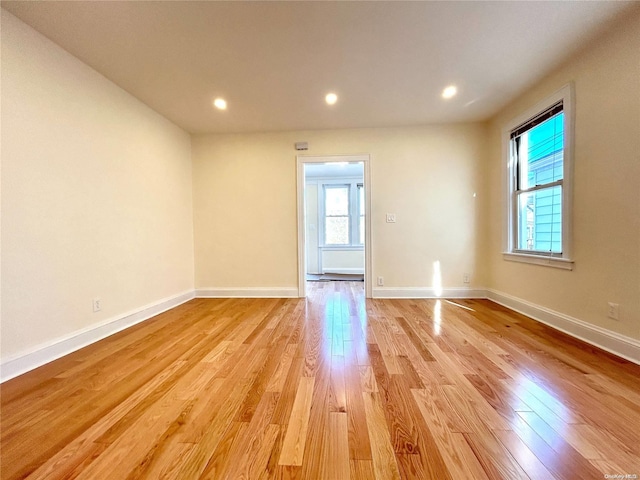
x,y
331,387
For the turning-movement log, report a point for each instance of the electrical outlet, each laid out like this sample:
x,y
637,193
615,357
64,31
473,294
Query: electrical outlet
x,y
614,311
465,278
380,281
391,218
97,304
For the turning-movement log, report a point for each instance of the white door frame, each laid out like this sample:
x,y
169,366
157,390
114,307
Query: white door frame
x,y
302,246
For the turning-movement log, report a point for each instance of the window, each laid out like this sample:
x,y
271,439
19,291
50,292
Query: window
x,y
539,178
336,215
538,153
343,211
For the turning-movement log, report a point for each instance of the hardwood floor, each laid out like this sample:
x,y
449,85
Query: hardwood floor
x,y
331,387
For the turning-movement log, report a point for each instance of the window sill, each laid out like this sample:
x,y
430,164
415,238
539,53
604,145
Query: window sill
x,y
555,262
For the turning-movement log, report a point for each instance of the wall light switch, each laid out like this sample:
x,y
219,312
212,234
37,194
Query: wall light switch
x,y
391,218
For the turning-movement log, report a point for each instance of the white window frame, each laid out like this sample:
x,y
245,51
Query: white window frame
x,y
510,250
354,212
359,206
349,215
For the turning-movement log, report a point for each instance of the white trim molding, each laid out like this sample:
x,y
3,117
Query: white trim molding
x,y
47,352
252,292
547,261
610,341
566,95
428,292
301,160
613,342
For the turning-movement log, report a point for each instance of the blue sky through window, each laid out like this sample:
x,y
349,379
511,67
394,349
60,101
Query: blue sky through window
x,y
546,138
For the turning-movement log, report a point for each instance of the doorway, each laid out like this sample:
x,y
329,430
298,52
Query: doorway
x,y
334,226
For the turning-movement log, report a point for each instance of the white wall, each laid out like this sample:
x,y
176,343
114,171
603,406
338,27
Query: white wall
x,y
606,221
96,197
245,203
343,261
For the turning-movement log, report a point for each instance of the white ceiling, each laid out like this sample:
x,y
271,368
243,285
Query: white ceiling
x,y
274,61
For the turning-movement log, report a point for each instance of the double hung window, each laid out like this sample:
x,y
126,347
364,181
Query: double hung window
x,y
337,218
343,214
539,178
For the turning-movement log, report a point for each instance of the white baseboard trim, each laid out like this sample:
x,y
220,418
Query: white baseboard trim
x,y
253,292
616,343
414,292
47,352
612,342
348,271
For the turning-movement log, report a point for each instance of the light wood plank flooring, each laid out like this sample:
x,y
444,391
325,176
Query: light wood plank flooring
x,y
331,387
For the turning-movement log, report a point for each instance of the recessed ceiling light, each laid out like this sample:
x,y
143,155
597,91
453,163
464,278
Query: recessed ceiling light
x,y
220,103
449,92
331,98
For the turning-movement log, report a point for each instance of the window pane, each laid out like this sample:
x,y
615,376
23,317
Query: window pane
x,y
361,199
540,155
540,220
336,200
361,231
336,230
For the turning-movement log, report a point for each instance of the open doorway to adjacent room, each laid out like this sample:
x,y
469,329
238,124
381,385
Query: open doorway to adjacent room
x,y
333,221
